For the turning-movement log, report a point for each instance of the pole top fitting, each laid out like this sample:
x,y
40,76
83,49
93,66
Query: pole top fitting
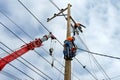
x,y
70,5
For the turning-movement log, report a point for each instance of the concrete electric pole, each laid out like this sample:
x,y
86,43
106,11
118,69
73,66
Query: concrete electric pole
x,y
67,74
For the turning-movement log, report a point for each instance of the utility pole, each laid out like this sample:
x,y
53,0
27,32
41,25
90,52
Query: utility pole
x,y
67,75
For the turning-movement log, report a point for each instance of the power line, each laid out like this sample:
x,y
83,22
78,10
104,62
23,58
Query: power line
x,y
37,19
49,62
22,62
86,46
58,8
99,66
10,75
33,15
99,54
22,57
54,4
17,68
66,19
82,41
61,64
86,69
15,23
118,76
24,32
11,31
34,51
71,24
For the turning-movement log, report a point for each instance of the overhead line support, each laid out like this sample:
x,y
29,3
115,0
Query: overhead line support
x,y
67,74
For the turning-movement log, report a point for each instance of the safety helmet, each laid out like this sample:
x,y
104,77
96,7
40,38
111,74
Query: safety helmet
x,y
70,38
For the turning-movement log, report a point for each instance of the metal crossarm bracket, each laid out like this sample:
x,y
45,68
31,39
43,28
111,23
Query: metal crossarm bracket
x,y
58,14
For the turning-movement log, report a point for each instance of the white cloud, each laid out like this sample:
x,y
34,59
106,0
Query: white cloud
x,y
101,35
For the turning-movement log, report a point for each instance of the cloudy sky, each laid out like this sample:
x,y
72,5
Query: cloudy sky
x,y
101,35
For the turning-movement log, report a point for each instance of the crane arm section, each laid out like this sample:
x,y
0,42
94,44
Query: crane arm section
x,y
24,49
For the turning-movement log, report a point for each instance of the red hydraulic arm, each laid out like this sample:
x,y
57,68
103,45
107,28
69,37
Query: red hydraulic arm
x,y
25,48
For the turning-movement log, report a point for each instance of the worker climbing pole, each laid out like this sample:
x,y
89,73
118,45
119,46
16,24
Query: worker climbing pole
x,y
69,48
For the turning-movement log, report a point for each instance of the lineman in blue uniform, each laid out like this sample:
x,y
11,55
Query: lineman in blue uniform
x,y
69,48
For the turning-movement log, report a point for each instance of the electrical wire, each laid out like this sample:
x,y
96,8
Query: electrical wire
x,y
37,19
34,50
99,54
20,71
14,23
118,76
11,31
26,33
17,68
22,57
22,62
98,65
20,28
23,41
59,75
71,24
54,4
66,19
86,69
90,59
60,10
33,15
9,75
83,42
49,62
62,65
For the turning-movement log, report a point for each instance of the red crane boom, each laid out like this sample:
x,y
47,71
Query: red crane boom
x,y
25,48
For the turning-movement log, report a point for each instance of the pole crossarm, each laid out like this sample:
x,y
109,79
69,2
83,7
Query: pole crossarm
x,y
58,14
